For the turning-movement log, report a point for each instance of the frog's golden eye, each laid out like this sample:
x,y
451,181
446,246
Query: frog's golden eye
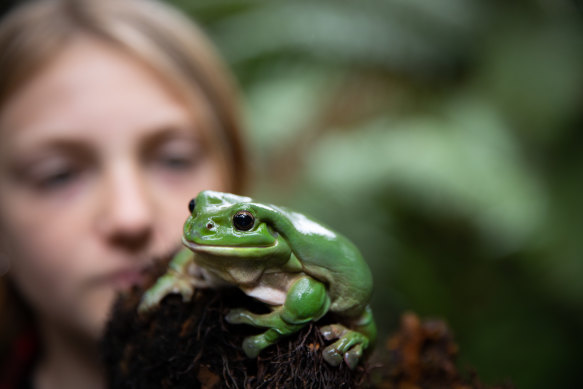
x,y
191,205
243,220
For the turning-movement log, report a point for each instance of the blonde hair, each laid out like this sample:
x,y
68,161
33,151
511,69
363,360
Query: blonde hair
x,y
157,35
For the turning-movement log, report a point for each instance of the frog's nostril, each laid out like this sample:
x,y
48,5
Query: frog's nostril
x,y
209,226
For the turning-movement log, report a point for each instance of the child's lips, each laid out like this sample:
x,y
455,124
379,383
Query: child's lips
x,y
130,275
121,279
125,279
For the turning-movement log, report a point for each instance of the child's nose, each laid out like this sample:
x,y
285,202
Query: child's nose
x,y
128,208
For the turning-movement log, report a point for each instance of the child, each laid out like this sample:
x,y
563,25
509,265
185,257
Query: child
x,y
113,115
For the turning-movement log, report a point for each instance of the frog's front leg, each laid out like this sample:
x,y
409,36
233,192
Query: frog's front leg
x,y
306,300
178,279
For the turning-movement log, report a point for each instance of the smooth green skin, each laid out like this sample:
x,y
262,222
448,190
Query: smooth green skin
x,y
297,266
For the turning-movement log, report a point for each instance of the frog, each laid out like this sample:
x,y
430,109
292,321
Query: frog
x,y
298,267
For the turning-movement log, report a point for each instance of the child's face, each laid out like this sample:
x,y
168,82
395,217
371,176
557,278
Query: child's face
x,y
98,161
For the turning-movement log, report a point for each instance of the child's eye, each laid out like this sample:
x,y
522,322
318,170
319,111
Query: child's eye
x,y
176,161
54,173
57,179
178,155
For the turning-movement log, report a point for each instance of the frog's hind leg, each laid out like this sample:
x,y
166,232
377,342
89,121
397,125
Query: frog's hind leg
x,y
351,343
306,300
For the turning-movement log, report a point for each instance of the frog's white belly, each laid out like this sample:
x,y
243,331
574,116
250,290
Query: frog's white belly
x,y
272,287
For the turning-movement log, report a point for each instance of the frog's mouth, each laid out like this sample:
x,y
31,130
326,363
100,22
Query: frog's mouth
x,y
237,251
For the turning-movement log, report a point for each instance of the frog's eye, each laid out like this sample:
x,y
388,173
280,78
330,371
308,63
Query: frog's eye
x,y
191,205
243,220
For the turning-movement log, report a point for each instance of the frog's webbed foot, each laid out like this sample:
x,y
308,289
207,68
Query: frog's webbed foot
x,y
169,283
278,327
351,343
252,345
349,346
180,278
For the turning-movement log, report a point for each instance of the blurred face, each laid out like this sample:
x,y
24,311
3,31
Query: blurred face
x,y
98,160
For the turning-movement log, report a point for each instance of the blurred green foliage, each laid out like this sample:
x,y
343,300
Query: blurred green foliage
x,y
444,138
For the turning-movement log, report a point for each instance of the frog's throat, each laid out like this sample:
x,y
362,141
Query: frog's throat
x,y
235,251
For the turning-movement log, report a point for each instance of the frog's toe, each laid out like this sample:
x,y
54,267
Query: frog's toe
x,y
145,306
352,356
332,356
332,331
150,300
186,294
252,345
237,316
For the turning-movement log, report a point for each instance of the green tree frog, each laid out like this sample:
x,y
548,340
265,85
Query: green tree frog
x,y
300,268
